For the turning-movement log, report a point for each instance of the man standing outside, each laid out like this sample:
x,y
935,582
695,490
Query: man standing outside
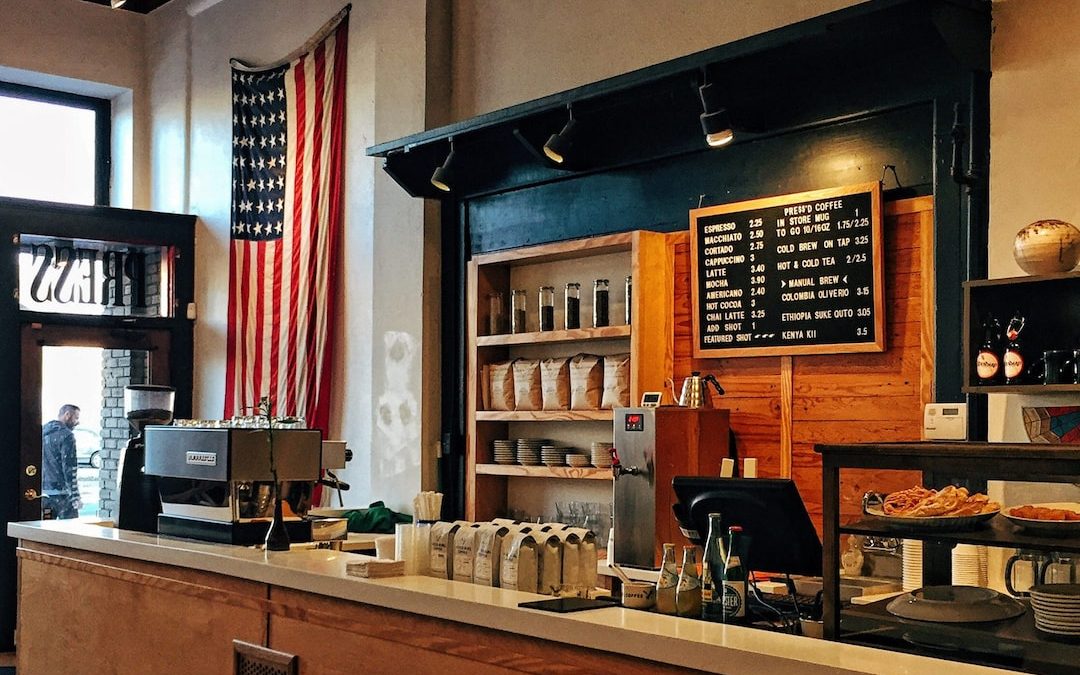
x,y
59,480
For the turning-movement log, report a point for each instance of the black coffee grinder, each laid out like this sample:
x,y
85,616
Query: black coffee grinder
x,y
139,502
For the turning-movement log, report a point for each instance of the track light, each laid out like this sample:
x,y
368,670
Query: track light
x,y
443,176
117,4
559,145
715,121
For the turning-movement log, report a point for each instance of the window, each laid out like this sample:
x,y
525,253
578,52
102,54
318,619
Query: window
x,y
54,146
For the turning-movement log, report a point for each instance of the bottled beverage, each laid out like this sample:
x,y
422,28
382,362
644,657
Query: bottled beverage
x,y
688,592
1013,360
572,314
547,308
734,578
600,303
629,294
668,582
517,315
988,361
712,571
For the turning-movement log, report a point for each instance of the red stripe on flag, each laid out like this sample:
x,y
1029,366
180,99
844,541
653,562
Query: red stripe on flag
x,y
244,326
297,216
260,315
314,258
230,339
320,416
275,327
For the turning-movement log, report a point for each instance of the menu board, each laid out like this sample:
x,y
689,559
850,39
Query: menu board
x,y
793,274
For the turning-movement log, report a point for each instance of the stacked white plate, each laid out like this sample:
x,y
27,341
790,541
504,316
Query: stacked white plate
x,y
553,455
1057,608
577,459
528,450
505,451
912,570
601,454
969,565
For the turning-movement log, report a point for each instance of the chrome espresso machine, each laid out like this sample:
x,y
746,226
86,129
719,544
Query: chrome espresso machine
x,y
216,483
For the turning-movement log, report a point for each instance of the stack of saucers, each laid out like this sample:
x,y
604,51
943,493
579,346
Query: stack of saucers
x,y
601,454
553,455
912,569
1057,608
969,565
577,459
528,450
504,451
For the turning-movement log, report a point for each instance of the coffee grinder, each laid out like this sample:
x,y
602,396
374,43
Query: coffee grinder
x,y
139,503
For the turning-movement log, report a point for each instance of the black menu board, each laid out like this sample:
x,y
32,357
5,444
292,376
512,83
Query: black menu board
x,y
793,274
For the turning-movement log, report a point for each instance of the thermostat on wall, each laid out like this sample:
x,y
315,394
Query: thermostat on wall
x,y
945,421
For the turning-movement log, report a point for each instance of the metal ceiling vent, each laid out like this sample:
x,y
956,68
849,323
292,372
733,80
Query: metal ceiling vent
x,y
249,659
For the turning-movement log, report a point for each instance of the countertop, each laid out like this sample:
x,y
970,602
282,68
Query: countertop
x,y
669,640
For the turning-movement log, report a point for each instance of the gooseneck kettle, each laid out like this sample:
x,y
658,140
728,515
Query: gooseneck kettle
x,y
695,390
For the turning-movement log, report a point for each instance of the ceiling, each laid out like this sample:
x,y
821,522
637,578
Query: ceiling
x,y
140,6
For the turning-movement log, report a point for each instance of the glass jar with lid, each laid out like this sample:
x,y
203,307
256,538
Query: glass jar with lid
x,y
572,308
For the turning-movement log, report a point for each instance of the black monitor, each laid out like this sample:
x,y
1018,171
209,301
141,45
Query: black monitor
x,y
770,511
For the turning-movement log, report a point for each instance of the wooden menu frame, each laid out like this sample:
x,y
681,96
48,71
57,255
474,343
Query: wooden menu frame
x,y
877,344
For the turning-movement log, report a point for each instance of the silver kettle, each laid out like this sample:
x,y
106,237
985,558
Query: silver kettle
x,y
695,393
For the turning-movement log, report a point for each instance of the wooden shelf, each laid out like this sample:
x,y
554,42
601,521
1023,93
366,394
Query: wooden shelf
x,y
562,250
544,416
998,532
1033,389
554,336
573,472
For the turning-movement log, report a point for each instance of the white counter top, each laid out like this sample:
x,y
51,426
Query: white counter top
x,y
682,642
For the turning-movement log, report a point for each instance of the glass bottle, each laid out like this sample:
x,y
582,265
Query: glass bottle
x,y
629,294
988,361
517,316
712,571
547,308
600,303
734,578
495,314
572,314
688,592
1013,359
668,582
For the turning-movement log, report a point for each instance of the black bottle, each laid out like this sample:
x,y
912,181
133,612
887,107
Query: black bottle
x,y
1013,363
988,368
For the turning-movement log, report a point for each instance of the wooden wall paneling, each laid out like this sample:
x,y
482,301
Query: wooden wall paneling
x,y
651,313
79,613
832,398
337,636
787,404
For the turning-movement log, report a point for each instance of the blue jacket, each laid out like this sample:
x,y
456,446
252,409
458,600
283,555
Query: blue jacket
x,y
59,466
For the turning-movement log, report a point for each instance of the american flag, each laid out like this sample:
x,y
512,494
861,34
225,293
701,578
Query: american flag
x,y
288,139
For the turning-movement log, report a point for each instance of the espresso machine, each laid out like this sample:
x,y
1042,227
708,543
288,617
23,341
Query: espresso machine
x,y
652,446
138,504
216,483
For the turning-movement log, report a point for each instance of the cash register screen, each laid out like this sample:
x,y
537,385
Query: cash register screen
x,y
770,511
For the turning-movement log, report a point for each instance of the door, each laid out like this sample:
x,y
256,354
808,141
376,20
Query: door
x,y
72,394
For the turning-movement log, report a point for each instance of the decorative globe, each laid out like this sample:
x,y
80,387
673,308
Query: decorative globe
x,y
1047,247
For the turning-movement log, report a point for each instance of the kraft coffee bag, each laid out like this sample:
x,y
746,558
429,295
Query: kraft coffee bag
x,y
616,381
442,549
489,543
555,383
586,382
519,568
464,550
587,558
549,559
501,386
527,392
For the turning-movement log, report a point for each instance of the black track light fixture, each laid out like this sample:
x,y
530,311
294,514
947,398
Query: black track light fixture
x,y
442,178
715,121
558,147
